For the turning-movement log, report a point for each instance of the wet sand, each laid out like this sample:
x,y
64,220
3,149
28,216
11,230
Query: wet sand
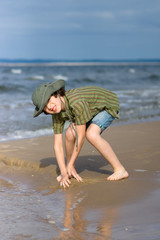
x,y
94,209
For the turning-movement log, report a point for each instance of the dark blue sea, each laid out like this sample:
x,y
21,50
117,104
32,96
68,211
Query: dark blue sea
x,y
137,85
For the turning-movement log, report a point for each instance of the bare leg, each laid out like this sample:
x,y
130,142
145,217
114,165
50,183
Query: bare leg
x,y
94,137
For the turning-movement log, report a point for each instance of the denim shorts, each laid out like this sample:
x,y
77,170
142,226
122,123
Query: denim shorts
x,y
103,119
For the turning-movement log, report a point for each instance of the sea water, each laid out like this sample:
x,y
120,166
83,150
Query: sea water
x,y
136,84
27,214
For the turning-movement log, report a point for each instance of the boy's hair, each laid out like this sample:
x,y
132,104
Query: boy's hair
x,y
60,92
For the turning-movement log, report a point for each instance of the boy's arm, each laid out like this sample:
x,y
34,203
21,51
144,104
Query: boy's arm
x,y
59,152
81,131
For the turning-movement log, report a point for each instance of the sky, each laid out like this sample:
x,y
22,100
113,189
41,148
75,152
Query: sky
x,y
80,29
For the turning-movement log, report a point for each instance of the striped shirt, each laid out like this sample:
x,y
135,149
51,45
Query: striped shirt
x,y
82,104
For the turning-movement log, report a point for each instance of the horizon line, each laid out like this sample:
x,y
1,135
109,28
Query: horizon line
x,y
76,60
80,62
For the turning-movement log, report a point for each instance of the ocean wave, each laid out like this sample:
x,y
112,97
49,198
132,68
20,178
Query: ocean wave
x,y
132,70
21,134
19,103
16,71
59,76
88,80
16,105
3,88
36,77
141,93
9,88
154,77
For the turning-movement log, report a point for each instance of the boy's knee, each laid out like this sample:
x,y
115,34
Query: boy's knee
x,y
91,135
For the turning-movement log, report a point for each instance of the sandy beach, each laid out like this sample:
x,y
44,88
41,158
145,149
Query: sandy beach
x,y
94,209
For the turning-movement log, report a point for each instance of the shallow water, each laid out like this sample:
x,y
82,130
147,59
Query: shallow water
x,y
139,220
29,213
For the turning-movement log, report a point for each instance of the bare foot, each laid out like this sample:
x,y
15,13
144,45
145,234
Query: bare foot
x,y
118,175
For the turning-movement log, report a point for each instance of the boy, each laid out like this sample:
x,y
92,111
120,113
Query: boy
x,y
90,110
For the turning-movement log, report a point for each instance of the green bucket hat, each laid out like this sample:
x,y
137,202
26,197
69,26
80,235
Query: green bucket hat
x,y
42,94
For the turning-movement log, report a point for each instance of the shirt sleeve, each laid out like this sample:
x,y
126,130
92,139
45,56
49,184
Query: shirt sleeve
x,y
82,112
58,123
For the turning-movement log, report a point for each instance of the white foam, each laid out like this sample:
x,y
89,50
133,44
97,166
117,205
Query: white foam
x,y
26,134
38,77
132,70
17,104
16,71
59,76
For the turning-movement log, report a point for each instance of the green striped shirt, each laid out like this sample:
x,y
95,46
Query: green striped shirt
x,y
82,104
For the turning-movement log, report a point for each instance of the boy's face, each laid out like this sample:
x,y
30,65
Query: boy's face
x,y
53,106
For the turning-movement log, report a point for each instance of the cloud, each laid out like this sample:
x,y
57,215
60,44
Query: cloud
x,y
130,13
101,23
105,15
90,14
76,15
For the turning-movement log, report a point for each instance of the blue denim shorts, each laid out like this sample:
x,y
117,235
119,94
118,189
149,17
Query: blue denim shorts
x,y
103,119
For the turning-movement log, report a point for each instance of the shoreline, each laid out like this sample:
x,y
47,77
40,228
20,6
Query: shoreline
x,y
117,123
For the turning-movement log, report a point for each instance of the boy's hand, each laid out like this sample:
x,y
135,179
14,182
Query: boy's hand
x,y
64,181
73,173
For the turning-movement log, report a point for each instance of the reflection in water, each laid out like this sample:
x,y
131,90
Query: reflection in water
x,y
28,214
73,220
106,223
47,212
82,222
